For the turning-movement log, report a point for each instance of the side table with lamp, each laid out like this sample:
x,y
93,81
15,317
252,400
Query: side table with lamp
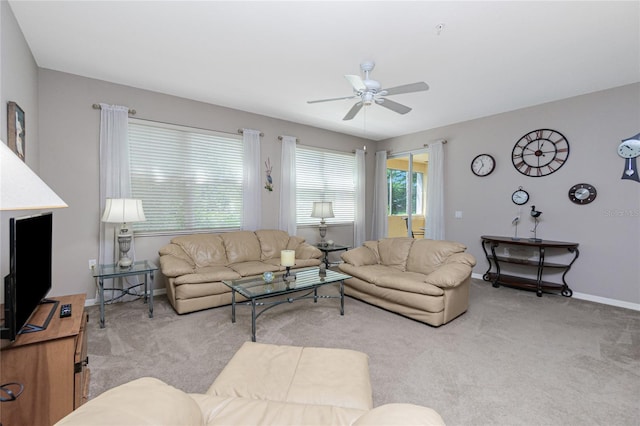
x,y
124,211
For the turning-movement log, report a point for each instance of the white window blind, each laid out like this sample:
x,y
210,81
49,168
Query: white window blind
x,y
324,176
188,179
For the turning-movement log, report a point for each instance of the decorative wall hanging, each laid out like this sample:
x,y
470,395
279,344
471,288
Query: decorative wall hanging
x,y
629,149
16,129
540,152
269,182
582,193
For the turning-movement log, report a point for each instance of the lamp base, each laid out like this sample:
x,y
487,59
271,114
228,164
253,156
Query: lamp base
x,y
124,243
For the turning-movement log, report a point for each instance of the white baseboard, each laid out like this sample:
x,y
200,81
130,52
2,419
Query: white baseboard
x,y
596,299
91,302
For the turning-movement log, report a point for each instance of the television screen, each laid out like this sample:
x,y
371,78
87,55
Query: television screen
x,y
29,280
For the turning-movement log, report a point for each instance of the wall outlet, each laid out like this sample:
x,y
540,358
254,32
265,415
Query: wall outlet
x,y
92,264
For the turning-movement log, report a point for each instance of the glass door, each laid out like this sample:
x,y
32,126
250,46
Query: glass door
x,y
407,194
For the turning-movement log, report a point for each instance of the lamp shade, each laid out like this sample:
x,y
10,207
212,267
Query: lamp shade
x,y
123,210
322,209
21,188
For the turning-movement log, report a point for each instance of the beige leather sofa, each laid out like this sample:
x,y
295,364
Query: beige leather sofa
x,y
427,280
261,385
195,265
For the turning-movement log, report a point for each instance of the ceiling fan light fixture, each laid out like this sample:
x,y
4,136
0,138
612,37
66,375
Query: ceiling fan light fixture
x,y
367,98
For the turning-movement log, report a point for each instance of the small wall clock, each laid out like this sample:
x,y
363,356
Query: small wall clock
x,y
483,164
520,196
629,149
540,152
582,193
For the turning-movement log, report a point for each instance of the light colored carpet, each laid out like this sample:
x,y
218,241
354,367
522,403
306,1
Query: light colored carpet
x,y
512,359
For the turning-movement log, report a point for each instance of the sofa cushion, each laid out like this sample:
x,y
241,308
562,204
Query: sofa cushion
x,y
253,267
400,414
302,375
426,256
192,291
145,401
208,275
272,242
394,252
412,282
360,256
218,410
366,273
242,246
203,249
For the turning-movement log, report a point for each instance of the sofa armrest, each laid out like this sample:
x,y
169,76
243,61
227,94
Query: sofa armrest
x,y
464,258
360,256
400,414
307,251
172,266
449,275
145,401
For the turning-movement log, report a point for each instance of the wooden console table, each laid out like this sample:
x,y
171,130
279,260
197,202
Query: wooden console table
x,y
50,364
489,245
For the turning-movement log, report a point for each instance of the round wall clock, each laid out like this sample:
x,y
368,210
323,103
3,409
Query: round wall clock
x,y
520,196
582,193
483,165
540,152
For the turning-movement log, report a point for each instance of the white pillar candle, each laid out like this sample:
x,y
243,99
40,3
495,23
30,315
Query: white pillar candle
x,y
288,257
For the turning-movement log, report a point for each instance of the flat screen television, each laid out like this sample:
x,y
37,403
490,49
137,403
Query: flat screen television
x,y
29,279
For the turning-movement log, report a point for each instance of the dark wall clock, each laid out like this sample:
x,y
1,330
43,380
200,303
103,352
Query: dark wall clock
x,y
520,196
582,193
483,164
629,149
540,152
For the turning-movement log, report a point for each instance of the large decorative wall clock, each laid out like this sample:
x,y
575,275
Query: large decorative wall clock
x,y
629,149
540,152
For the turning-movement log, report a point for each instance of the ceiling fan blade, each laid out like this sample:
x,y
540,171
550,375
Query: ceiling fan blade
x,y
356,82
332,99
353,111
407,88
393,106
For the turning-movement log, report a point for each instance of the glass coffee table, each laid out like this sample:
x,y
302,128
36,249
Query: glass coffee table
x,y
307,282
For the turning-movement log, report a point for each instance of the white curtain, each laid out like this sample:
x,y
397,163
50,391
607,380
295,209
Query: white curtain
x,y
379,217
359,181
252,184
435,192
287,220
115,178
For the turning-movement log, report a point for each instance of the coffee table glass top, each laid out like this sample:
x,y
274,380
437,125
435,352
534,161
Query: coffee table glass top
x,y
256,286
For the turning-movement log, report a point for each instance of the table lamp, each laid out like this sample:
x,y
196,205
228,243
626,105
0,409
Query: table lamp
x,y
287,259
21,188
322,209
123,210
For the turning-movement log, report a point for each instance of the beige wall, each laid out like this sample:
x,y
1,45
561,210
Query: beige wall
x,y
608,230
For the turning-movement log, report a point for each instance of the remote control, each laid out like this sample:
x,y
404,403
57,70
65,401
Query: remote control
x,y
65,311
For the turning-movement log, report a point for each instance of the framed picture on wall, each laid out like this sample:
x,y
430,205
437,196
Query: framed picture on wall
x,y
16,129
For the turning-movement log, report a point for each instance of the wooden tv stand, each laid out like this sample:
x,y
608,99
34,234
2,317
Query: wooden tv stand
x,y
51,365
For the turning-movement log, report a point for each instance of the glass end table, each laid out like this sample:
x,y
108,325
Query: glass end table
x,y
112,271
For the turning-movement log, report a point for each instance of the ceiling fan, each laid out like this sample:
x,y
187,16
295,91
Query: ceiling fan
x,y
370,91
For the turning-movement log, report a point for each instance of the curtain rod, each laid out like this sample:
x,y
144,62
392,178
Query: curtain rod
x,y
281,137
444,142
97,106
241,131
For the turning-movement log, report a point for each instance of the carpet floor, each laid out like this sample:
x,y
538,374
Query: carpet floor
x,y
511,359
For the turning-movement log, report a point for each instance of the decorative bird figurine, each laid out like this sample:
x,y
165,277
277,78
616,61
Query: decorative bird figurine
x,y
535,214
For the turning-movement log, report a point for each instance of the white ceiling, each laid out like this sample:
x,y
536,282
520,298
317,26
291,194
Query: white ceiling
x,y
270,58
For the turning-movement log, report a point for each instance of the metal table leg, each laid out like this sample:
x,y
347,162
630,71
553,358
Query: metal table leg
x,y
101,293
150,292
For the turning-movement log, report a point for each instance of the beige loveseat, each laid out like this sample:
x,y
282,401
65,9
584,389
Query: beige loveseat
x,y
427,280
261,385
195,265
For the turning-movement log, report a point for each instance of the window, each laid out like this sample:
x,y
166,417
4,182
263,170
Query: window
x,y
324,176
397,181
188,179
